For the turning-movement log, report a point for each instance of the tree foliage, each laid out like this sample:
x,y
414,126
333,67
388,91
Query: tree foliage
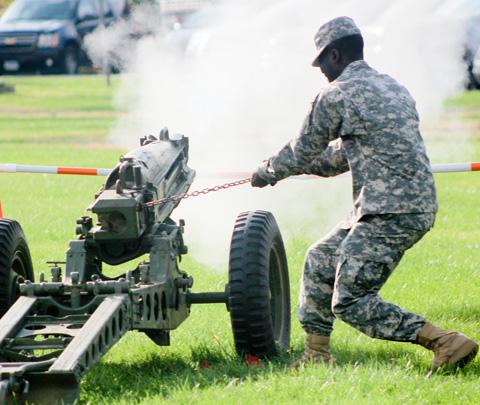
x,y
4,4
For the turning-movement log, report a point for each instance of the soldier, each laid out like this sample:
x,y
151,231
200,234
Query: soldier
x,y
365,122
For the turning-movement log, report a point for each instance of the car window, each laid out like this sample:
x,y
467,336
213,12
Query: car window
x,y
87,10
31,10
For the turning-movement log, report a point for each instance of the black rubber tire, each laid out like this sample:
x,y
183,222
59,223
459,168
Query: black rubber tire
x,y
15,261
258,286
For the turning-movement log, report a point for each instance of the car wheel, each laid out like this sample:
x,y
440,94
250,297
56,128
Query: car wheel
x,y
15,262
258,286
70,60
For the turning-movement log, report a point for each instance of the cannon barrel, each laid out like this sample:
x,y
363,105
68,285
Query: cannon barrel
x,y
155,170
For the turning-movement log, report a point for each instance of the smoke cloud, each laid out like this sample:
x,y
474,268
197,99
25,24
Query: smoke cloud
x,y
238,82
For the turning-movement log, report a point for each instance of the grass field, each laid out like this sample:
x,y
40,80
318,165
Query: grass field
x,y
64,121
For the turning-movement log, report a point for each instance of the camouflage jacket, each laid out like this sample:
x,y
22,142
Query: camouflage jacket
x,y
367,123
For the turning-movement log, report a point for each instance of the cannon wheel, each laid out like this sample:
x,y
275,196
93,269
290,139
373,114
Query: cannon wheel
x,y
258,287
15,262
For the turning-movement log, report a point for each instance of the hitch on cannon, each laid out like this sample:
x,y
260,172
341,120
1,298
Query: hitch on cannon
x,y
57,330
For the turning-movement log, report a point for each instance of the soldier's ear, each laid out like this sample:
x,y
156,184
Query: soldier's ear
x,y
335,55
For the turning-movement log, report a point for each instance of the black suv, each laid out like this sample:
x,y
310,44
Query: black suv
x,y
47,35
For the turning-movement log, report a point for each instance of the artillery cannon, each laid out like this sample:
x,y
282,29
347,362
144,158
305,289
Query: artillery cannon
x,y
57,330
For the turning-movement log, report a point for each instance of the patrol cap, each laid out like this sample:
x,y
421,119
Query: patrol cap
x,y
331,31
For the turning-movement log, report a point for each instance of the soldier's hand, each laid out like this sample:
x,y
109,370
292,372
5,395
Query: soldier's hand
x,y
257,181
263,176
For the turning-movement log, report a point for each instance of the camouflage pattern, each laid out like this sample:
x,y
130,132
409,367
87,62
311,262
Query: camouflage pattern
x,y
330,162
331,31
375,126
366,123
345,271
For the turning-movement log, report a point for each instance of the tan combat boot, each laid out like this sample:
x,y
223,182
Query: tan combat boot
x,y
317,350
450,348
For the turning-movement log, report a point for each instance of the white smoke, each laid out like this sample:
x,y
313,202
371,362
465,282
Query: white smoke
x,y
240,86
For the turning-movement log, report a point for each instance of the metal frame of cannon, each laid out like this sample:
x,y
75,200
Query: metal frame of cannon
x,y
58,329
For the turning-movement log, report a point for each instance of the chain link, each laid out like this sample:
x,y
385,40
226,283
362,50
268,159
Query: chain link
x,y
196,193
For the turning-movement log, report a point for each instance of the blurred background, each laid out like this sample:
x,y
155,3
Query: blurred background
x,y
235,77
53,35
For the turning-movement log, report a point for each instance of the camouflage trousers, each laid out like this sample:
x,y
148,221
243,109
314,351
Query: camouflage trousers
x,y
344,272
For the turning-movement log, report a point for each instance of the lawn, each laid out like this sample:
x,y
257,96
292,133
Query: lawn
x,y
64,121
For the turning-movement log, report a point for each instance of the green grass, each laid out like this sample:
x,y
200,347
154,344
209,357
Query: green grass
x,y
468,99
57,109
49,120
60,93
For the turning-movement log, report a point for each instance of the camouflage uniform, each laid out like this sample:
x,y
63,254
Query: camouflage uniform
x,y
367,123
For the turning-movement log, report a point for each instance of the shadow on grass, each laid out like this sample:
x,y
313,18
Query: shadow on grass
x,y
164,374
399,356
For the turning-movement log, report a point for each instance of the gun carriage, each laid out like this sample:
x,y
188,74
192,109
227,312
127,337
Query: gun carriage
x,y
52,332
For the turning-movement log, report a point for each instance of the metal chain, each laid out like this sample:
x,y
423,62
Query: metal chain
x,y
207,190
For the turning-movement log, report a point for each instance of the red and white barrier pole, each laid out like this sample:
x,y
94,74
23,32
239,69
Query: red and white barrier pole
x,y
456,167
85,171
